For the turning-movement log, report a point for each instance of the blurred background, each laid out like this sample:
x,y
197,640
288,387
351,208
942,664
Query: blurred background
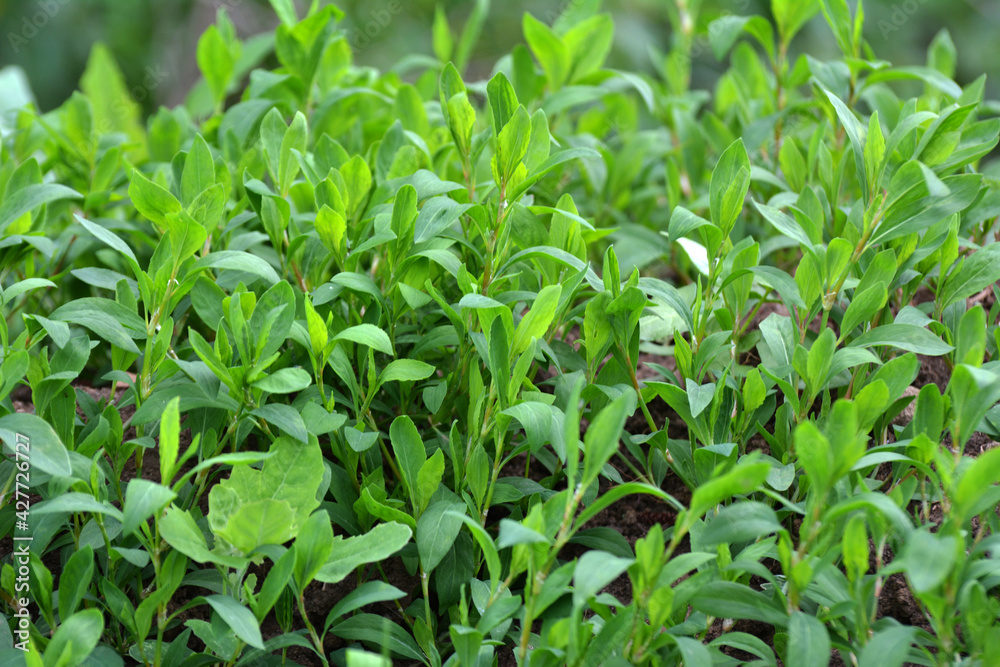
x,y
154,40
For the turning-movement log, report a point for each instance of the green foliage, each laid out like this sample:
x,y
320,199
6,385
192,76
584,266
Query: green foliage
x,y
407,326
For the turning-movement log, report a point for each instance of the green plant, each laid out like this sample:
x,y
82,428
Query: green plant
x,y
332,329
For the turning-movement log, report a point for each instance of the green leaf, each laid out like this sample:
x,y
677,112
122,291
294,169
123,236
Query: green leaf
x,y
958,192
855,548
105,318
699,396
114,104
376,545
111,240
499,353
318,332
589,43
367,593
553,161
726,599
730,183
471,33
793,165
461,121
536,321
970,337
514,532
781,282
187,235
410,454
548,49
594,571
973,393
863,307
489,549
791,15
207,354
33,436
600,441
381,632
838,15
75,639
267,506
358,658
404,213
754,391
143,498
975,483
813,451
437,529
747,476
286,418
909,337
275,582
888,647
928,412
777,333
285,9
294,139
467,642
152,200
808,641
23,286
253,524
79,503
199,171
406,370
31,197
312,548
536,418
874,150
358,179
942,137
169,443
785,224
367,334
512,144
856,133
240,619
740,522
970,275
300,47
429,479
284,381
75,579
503,101
898,518
236,260
928,559
820,359
216,62
442,41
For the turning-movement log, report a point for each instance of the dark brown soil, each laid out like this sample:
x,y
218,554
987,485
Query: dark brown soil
x,y
933,370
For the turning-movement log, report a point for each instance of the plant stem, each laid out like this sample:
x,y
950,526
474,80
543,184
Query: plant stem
x,y
312,631
425,588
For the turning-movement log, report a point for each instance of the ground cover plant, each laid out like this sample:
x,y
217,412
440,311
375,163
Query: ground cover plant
x,y
565,365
